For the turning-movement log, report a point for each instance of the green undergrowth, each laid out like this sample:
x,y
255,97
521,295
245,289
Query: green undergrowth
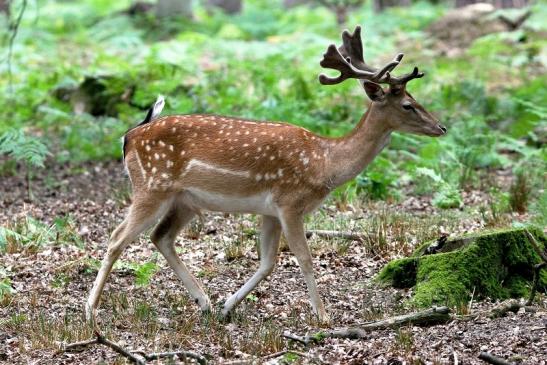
x,y
83,72
496,265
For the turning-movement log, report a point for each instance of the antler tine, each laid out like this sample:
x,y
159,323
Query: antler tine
x,y
352,47
333,59
385,71
402,80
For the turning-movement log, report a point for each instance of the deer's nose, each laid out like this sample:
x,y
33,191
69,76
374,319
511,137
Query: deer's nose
x,y
442,128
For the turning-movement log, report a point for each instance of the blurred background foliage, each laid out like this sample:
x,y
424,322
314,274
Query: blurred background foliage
x,y
75,75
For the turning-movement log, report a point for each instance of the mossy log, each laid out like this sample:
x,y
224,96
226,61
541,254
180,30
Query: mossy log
x,y
496,264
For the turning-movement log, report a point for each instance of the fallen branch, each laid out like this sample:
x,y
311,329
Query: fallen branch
x,y
491,359
335,234
499,310
130,355
511,305
101,340
430,316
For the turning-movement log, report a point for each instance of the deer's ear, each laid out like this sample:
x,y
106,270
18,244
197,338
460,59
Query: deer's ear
x,y
374,91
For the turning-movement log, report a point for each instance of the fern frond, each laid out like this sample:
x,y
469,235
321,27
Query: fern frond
x,y
21,147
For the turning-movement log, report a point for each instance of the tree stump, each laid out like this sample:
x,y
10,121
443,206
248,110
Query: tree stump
x,y
497,264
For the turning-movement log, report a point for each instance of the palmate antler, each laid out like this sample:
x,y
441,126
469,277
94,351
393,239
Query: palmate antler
x,y
349,60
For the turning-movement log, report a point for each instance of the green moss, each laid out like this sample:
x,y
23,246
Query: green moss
x,y
400,273
496,264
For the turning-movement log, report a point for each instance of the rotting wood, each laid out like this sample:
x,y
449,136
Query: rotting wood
x,y
131,355
535,282
434,315
535,245
506,258
491,359
537,268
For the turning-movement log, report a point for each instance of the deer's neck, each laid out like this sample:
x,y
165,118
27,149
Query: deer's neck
x,y
350,154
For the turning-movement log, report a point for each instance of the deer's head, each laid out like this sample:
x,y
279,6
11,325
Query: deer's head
x,y
402,112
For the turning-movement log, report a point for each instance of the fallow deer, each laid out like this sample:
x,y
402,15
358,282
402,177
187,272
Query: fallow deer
x,y
181,164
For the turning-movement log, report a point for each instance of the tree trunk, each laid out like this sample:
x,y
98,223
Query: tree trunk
x,y
228,6
166,8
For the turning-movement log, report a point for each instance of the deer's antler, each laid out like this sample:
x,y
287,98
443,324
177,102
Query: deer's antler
x,y
400,82
349,60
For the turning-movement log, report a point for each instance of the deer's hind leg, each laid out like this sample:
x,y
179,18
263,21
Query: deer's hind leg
x,y
164,236
143,213
269,244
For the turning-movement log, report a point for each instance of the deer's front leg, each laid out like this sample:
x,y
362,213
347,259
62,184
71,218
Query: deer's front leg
x,y
293,228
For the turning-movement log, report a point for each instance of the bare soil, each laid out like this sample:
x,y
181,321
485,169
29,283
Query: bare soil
x,y
52,284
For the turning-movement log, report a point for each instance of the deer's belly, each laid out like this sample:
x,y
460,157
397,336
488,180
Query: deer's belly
x,y
261,203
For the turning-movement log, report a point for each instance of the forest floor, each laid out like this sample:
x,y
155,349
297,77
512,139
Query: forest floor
x,y
52,283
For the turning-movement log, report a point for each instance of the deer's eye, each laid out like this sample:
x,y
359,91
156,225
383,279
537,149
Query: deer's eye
x,y
407,106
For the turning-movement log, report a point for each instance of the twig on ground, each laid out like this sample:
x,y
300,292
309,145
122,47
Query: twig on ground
x,y
100,339
471,301
491,359
430,316
130,355
76,345
305,340
335,234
